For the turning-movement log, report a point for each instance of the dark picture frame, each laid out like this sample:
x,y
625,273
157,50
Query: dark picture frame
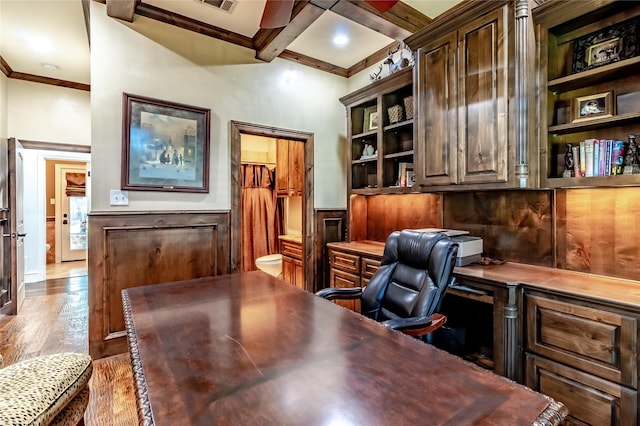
x,y
611,44
592,107
165,145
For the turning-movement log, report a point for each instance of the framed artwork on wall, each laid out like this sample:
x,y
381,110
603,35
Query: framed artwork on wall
x,y
165,145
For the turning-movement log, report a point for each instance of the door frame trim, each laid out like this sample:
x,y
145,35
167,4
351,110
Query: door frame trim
x,y
237,128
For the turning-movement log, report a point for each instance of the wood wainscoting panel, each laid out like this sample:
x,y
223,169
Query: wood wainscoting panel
x,y
135,249
598,231
516,226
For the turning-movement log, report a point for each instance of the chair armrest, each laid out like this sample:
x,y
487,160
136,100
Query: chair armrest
x,y
337,293
417,326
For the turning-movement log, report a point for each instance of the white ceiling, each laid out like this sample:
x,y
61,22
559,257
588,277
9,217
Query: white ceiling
x,y
37,32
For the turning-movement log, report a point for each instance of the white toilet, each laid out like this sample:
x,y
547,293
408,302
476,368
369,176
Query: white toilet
x,y
271,264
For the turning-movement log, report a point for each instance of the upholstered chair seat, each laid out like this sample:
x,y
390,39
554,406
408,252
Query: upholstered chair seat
x,y
46,390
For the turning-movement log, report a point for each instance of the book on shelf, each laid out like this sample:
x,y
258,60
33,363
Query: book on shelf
x,y
588,157
405,174
617,159
582,158
576,161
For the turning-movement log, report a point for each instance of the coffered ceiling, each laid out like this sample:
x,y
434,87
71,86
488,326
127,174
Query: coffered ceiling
x,y
48,39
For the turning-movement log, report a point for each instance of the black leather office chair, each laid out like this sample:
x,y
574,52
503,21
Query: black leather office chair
x,y
406,291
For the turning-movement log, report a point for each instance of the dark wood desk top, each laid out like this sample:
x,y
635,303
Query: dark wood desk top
x,y
251,349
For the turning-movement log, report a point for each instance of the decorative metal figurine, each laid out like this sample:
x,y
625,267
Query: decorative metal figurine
x,y
568,162
631,165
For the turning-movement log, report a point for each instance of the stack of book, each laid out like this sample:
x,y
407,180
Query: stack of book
x,y
405,174
598,157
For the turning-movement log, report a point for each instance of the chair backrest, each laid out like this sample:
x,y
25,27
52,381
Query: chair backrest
x,y
414,274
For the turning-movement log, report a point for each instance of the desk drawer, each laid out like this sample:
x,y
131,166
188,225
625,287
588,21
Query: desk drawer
x,y
369,267
291,249
593,340
590,400
344,261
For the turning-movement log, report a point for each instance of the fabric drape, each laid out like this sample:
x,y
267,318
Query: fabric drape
x,y
75,184
259,216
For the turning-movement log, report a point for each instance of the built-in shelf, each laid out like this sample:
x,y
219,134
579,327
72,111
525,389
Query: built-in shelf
x,y
596,123
594,76
399,154
399,125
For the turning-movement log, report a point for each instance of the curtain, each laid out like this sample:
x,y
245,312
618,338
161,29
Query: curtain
x,y
259,229
75,184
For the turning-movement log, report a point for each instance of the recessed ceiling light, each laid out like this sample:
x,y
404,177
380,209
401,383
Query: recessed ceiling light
x,y
341,40
50,66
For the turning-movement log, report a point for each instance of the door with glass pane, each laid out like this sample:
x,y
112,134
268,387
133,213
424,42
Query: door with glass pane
x,y
71,213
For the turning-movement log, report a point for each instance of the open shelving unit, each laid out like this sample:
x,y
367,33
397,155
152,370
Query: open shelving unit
x,y
379,169
566,31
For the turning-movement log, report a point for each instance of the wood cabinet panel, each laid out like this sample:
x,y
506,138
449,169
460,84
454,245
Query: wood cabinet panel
x,y
594,340
482,100
282,167
590,400
437,87
292,269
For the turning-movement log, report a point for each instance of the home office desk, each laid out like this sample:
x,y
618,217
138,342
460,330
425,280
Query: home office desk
x,y
251,349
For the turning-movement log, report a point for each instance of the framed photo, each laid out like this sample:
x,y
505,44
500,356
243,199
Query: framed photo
x,y
370,118
604,52
611,44
593,106
165,146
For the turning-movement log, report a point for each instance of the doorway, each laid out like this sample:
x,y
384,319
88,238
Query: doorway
x,y
237,130
70,212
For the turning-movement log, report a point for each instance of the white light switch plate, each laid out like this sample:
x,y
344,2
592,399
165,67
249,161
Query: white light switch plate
x,y
118,198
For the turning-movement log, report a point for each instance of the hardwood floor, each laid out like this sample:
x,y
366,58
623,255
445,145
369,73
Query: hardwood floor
x,y
54,318
66,269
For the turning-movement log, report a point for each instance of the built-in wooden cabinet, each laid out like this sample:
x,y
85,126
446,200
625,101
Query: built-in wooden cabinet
x,y
380,135
351,268
588,51
584,355
465,124
292,270
289,167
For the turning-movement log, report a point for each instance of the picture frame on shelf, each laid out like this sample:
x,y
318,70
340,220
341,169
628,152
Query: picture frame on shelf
x,y
611,44
604,52
370,118
165,145
592,107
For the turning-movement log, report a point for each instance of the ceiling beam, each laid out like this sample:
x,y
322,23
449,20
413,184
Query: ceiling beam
x,y
4,67
271,43
314,63
186,23
399,22
122,9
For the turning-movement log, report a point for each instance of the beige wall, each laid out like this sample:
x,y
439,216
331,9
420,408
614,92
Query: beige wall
x,y
152,59
46,113
3,105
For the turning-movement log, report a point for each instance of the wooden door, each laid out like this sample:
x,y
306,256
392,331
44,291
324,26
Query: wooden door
x,y
482,99
436,147
12,291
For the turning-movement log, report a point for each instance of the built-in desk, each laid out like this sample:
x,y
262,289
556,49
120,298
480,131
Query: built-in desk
x,y
571,335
